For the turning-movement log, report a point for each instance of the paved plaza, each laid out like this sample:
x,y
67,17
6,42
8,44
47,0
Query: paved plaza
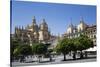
x,y
57,60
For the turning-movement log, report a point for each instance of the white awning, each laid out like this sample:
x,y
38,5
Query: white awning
x,y
92,49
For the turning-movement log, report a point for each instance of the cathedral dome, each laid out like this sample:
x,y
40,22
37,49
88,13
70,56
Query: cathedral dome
x,y
71,25
43,25
82,26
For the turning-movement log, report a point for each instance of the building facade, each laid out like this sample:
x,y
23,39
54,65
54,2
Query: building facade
x,y
33,33
81,28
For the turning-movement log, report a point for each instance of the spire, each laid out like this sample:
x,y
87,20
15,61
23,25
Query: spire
x,y
43,20
33,17
22,28
71,22
28,25
70,25
81,20
58,37
34,20
15,29
19,28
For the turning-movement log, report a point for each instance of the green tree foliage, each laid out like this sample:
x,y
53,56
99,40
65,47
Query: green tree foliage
x,y
14,48
83,43
23,50
14,44
49,53
39,49
76,44
63,47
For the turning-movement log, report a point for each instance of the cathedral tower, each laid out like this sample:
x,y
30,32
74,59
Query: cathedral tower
x,y
44,34
82,26
33,27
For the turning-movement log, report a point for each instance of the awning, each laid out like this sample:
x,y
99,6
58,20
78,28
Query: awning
x,y
92,49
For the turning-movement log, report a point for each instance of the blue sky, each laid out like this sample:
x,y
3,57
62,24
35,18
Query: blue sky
x,y
57,16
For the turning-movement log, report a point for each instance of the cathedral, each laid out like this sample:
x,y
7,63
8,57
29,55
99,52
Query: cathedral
x,y
33,33
79,28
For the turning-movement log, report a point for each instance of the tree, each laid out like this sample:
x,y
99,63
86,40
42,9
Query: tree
x,y
83,43
63,47
39,49
14,51
22,51
34,48
49,52
25,50
73,46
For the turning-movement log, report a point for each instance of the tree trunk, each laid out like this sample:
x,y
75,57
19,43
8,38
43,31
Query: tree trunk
x,y
39,57
86,55
70,53
50,57
64,57
81,55
74,55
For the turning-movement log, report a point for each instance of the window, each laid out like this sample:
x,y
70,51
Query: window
x,y
94,30
94,36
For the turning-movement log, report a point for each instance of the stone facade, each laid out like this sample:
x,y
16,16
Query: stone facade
x,y
91,33
82,28
33,33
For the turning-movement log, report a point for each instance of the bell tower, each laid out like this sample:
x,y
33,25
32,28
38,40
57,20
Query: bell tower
x,y
44,34
82,26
